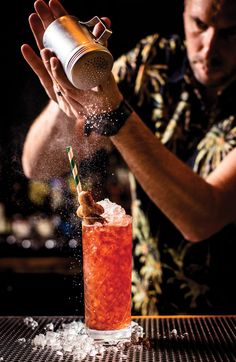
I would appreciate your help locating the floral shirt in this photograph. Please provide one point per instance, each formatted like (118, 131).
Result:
(170, 274)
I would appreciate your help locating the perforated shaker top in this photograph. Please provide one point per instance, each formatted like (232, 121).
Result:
(89, 67)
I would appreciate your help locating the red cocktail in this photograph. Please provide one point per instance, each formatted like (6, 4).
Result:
(107, 264)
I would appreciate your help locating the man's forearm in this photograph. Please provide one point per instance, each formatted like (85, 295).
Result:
(188, 201)
(44, 153)
(41, 158)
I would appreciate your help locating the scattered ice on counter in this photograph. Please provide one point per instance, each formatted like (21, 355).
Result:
(114, 213)
(21, 340)
(30, 322)
(59, 353)
(73, 339)
(137, 331)
(173, 334)
(49, 327)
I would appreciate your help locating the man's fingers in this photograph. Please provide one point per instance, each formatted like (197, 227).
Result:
(57, 8)
(62, 88)
(44, 12)
(59, 74)
(35, 62)
(60, 77)
(46, 54)
(37, 29)
(48, 61)
(99, 28)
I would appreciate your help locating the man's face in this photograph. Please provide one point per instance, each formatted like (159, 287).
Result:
(211, 40)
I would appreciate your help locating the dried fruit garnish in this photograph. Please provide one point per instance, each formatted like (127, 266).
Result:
(89, 210)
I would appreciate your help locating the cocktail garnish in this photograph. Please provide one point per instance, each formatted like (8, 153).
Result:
(89, 210)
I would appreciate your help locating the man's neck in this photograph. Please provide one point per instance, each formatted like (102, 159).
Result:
(211, 95)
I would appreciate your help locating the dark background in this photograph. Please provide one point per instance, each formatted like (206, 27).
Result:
(28, 285)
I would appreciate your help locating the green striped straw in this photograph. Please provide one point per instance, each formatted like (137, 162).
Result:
(74, 169)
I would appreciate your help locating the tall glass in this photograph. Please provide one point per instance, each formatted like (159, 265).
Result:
(107, 265)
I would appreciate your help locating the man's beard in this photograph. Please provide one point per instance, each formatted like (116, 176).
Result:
(214, 65)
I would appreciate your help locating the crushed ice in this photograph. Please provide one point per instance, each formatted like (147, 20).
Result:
(21, 340)
(30, 322)
(73, 339)
(114, 213)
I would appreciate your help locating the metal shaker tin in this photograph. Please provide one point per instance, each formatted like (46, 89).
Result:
(85, 60)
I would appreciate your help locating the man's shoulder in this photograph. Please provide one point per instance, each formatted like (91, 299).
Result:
(153, 49)
(157, 45)
(173, 41)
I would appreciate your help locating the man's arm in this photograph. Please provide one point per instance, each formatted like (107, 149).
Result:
(44, 152)
(61, 122)
(197, 207)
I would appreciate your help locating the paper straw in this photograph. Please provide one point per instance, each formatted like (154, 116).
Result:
(74, 169)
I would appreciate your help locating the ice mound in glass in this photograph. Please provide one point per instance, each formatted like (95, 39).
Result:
(114, 214)
(101, 212)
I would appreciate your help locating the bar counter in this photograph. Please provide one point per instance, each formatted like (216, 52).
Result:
(170, 338)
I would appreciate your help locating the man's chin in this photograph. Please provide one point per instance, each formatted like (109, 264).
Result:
(210, 80)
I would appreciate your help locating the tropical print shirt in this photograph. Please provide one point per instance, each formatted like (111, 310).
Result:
(170, 274)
